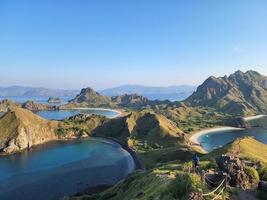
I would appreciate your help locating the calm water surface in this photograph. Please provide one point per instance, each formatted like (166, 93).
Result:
(217, 139)
(61, 168)
(62, 114)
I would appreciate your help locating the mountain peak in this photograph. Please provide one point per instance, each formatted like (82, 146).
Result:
(88, 97)
(240, 93)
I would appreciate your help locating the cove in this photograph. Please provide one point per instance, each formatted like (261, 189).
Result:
(62, 114)
(215, 139)
(59, 168)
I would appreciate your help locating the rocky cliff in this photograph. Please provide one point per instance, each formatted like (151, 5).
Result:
(21, 129)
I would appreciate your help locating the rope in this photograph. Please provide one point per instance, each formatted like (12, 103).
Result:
(210, 181)
(207, 194)
(219, 194)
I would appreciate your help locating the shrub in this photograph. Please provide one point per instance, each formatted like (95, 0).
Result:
(184, 184)
(60, 131)
(252, 172)
(263, 173)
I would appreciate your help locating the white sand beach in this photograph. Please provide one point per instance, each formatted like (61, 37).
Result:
(194, 137)
(254, 117)
(119, 113)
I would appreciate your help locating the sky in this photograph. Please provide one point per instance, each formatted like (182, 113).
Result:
(71, 44)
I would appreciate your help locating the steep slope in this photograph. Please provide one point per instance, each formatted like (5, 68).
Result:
(89, 98)
(21, 129)
(143, 130)
(240, 93)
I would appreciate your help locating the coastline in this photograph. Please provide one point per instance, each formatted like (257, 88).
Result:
(254, 117)
(195, 136)
(138, 164)
(119, 113)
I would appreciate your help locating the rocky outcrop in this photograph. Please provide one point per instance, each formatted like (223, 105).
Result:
(235, 169)
(21, 129)
(35, 106)
(6, 104)
(54, 100)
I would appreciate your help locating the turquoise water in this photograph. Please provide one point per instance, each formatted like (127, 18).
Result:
(62, 114)
(62, 168)
(216, 139)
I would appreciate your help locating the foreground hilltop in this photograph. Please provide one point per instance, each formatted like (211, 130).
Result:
(176, 180)
(240, 93)
(21, 129)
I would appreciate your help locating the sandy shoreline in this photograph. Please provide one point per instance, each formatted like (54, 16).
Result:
(195, 136)
(119, 113)
(254, 117)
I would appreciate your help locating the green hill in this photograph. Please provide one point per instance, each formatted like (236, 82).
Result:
(247, 148)
(144, 130)
(240, 93)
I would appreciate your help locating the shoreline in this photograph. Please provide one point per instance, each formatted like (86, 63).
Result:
(254, 117)
(195, 136)
(137, 162)
(119, 113)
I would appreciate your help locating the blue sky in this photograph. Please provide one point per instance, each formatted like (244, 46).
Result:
(105, 43)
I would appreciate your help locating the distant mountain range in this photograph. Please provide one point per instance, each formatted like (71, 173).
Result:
(33, 91)
(173, 93)
(160, 93)
(239, 94)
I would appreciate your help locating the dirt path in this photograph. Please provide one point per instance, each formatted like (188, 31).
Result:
(246, 195)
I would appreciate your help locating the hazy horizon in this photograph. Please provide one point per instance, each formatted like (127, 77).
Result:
(105, 44)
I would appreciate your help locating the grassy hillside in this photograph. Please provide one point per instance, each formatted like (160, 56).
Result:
(246, 148)
(80, 125)
(190, 119)
(142, 130)
(168, 182)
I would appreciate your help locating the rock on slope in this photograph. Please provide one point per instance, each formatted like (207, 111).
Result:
(21, 129)
(6, 104)
(240, 93)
